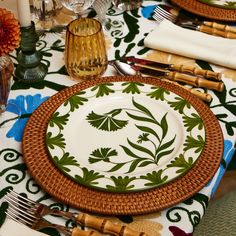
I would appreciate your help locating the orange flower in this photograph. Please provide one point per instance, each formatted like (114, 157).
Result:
(9, 32)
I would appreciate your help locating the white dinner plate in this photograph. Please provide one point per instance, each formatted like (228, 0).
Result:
(125, 136)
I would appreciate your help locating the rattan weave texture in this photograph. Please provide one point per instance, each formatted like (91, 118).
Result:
(64, 189)
(205, 10)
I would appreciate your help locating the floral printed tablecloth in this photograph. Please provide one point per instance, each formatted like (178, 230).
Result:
(125, 40)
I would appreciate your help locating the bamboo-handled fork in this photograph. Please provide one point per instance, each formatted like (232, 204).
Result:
(208, 27)
(40, 210)
(38, 223)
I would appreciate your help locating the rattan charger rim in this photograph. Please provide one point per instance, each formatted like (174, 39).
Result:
(205, 10)
(65, 190)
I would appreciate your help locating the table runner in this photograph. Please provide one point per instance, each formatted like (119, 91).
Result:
(124, 40)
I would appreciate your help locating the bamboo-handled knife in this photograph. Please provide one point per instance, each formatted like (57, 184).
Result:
(175, 76)
(180, 68)
(126, 69)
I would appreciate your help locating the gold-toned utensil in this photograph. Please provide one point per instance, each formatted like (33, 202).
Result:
(38, 223)
(39, 210)
(203, 96)
(208, 27)
(208, 74)
(85, 49)
(179, 77)
(126, 69)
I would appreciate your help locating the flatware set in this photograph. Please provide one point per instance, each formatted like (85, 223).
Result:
(208, 27)
(172, 73)
(172, 67)
(31, 213)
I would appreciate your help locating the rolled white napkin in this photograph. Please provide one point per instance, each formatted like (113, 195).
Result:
(12, 228)
(171, 38)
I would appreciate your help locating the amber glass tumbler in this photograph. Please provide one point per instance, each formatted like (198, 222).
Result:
(85, 49)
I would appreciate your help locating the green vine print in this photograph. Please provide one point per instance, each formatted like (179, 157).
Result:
(176, 214)
(107, 121)
(121, 183)
(155, 178)
(88, 177)
(158, 93)
(76, 101)
(58, 120)
(53, 141)
(132, 87)
(103, 89)
(160, 149)
(65, 160)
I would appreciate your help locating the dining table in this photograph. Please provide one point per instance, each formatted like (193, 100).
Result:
(22, 131)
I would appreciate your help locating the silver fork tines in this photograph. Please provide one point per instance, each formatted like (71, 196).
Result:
(19, 201)
(160, 14)
(30, 213)
(33, 222)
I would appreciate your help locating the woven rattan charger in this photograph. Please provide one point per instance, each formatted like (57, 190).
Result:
(205, 10)
(64, 189)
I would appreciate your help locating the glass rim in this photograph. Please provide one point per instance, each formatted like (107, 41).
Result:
(84, 18)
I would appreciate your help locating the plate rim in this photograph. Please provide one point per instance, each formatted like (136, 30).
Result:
(206, 10)
(217, 5)
(67, 191)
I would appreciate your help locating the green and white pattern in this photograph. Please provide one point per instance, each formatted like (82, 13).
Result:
(125, 136)
(221, 3)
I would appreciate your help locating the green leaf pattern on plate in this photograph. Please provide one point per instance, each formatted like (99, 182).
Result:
(88, 177)
(58, 120)
(141, 161)
(107, 121)
(221, 3)
(64, 161)
(76, 101)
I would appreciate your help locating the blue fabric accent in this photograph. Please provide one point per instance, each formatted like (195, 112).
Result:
(227, 156)
(21, 106)
(147, 11)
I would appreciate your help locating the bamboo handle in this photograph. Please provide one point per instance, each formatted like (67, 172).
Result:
(220, 26)
(80, 232)
(203, 96)
(106, 226)
(195, 71)
(213, 31)
(195, 81)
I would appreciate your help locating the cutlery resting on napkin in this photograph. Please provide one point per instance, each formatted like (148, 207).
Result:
(171, 38)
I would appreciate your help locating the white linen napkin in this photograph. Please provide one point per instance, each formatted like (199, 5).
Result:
(171, 38)
(12, 228)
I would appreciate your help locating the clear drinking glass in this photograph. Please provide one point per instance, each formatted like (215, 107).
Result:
(44, 11)
(77, 6)
(127, 4)
(101, 7)
(85, 49)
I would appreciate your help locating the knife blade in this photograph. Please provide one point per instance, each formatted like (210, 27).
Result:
(187, 79)
(180, 68)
